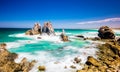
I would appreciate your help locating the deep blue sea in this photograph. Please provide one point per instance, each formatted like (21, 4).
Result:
(50, 51)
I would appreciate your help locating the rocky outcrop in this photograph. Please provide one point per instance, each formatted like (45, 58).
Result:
(48, 28)
(105, 32)
(64, 37)
(35, 30)
(92, 61)
(7, 63)
(108, 59)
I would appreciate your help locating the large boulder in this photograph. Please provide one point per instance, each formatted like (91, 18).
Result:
(64, 37)
(92, 61)
(105, 32)
(35, 30)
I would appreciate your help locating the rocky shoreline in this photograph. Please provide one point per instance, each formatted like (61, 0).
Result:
(7, 63)
(108, 59)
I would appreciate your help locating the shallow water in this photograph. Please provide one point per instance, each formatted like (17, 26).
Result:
(50, 50)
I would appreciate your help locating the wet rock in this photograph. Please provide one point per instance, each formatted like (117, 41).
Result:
(64, 37)
(80, 36)
(77, 60)
(105, 32)
(41, 68)
(73, 67)
(92, 61)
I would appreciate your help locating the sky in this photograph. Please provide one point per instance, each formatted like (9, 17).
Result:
(61, 13)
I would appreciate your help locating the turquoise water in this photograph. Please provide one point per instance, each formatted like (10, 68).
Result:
(20, 44)
(10, 35)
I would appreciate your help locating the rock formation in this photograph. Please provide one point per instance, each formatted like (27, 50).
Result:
(48, 28)
(35, 30)
(105, 32)
(7, 63)
(63, 36)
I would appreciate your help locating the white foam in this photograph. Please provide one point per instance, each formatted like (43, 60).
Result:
(56, 64)
(12, 45)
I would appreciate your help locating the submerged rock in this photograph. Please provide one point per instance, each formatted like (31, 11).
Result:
(105, 32)
(80, 36)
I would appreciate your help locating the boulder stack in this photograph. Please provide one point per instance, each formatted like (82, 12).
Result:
(35, 30)
(105, 32)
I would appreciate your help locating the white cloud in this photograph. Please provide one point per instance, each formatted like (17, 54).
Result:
(100, 21)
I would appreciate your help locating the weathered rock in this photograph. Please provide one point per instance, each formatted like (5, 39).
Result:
(41, 68)
(105, 32)
(92, 61)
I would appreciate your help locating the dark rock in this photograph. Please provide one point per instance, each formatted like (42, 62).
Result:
(47, 28)
(105, 32)
(80, 36)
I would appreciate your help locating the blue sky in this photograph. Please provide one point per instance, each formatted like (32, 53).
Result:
(62, 13)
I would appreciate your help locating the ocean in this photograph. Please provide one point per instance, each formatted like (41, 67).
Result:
(50, 51)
